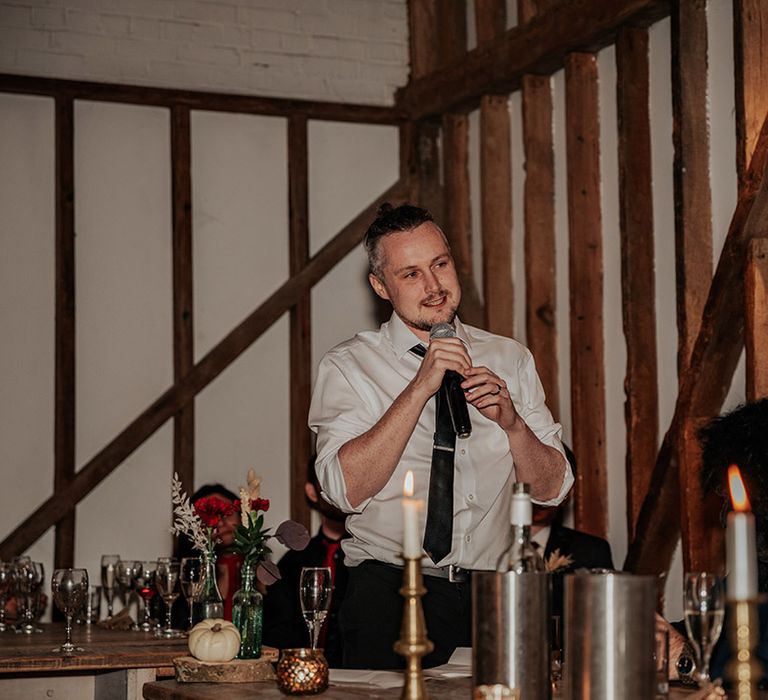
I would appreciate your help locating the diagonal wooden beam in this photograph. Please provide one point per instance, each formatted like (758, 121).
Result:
(705, 383)
(539, 46)
(203, 373)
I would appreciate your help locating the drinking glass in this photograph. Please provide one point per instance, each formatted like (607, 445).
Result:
(703, 603)
(315, 597)
(108, 576)
(145, 585)
(167, 582)
(7, 578)
(29, 579)
(69, 588)
(191, 576)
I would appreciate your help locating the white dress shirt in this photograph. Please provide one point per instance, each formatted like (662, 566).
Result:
(357, 382)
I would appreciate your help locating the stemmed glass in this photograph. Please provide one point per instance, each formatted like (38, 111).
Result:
(145, 585)
(315, 597)
(167, 582)
(703, 603)
(126, 571)
(108, 576)
(29, 579)
(7, 578)
(191, 576)
(69, 588)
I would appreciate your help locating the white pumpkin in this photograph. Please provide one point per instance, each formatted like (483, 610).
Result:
(214, 640)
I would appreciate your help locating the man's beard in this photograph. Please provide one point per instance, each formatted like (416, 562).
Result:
(424, 325)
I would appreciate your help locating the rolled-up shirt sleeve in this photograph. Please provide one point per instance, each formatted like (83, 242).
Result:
(337, 415)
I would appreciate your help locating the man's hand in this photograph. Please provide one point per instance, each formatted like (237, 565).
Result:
(488, 393)
(443, 354)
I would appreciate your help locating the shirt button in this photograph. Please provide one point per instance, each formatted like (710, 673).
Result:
(468, 538)
(471, 497)
(463, 451)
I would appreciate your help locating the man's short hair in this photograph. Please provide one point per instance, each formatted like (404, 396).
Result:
(388, 220)
(741, 438)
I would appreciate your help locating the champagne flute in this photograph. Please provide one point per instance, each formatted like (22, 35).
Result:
(703, 603)
(315, 597)
(29, 579)
(7, 577)
(126, 576)
(167, 582)
(191, 576)
(108, 573)
(145, 584)
(69, 588)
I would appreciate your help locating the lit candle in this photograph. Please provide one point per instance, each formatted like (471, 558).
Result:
(412, 508)
(740, 542)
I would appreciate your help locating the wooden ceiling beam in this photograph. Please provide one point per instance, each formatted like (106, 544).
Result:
(539, 46)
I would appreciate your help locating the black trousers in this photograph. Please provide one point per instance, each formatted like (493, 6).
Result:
(372, 612)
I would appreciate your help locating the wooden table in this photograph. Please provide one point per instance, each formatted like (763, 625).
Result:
(115, 664)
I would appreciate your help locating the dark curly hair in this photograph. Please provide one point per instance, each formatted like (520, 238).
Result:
(388, 220)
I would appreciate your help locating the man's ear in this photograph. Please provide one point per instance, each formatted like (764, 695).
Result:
(311, 492)
(378, 286)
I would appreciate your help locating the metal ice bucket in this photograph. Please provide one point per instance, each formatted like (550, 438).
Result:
(510, 621)
(609, 636)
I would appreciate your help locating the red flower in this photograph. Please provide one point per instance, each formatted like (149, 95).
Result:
(212, 509)
(261, 504)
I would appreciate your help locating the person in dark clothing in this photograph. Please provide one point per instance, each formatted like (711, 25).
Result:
(284, 626)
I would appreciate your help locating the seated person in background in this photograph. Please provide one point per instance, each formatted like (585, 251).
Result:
(284, 625)
(227, 563)
(564, 549)
(739, 437)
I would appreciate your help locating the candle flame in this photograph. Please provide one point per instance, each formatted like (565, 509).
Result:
(408, 484)
(739, 497)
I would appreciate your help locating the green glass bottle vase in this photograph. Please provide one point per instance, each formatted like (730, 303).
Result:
(247, 613)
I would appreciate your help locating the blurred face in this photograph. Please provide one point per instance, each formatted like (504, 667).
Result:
(418, 278)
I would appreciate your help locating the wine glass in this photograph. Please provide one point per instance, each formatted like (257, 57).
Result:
(69, 588)
(191, 576)
(167, 582)
(703, 603)
(29, 579)
(108, 574)
(126, 577)
(7, 577)
(145, 585)
(315, 597)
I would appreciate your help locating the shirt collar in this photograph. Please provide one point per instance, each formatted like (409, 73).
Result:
(403, 338)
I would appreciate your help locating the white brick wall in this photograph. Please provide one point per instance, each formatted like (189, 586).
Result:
(341, 50)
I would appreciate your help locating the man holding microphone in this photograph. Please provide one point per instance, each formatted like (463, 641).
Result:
(375, 418)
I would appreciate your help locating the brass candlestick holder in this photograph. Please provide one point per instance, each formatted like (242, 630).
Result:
(743, 670)
(413, 642)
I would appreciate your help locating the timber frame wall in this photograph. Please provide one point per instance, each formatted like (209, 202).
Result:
(714, 320)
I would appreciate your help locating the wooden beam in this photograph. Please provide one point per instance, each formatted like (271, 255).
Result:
(750, 50)
(183, 306)
(539, 46)
(300, 318)
(457, 222)
(490, 19)
(706, 382)
(422, 39)
(452, 34)
(195, 99)
(693, 201)
(221, 356)
(64, 370)
(638, 289)
(756, 335)
(703, 536)
(586, 292)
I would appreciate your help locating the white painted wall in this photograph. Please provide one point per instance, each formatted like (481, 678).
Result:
(240, 235)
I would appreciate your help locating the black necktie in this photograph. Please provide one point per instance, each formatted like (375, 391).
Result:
(438, 532)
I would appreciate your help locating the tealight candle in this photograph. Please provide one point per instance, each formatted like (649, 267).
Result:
(412, 508)
(740, 544)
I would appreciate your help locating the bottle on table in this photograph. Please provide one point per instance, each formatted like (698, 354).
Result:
(521, 556)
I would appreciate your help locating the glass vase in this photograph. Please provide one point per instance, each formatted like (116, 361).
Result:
(247, 613)
(208, 603)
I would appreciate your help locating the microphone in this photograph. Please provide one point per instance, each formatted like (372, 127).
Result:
(457, 402)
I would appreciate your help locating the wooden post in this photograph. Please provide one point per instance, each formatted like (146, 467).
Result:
(750, 51)
(539, 236)
(183, 307)
(300, 317)
(756, 328)
(64, 407)
(637, 266)
(586, 292)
